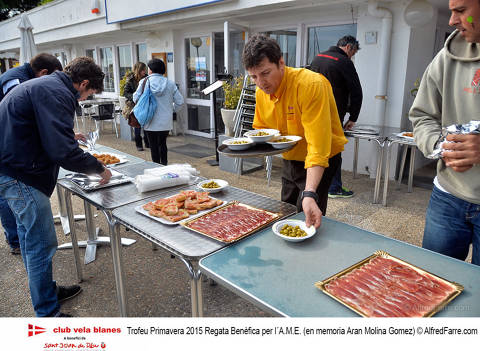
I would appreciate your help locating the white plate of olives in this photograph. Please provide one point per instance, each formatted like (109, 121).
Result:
(212, 185)
(293, 230)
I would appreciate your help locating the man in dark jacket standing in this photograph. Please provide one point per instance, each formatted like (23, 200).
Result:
(38, 66)
(336, 65)
(36, 139)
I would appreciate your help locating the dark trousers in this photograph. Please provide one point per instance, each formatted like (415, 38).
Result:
(138, 138)
(158, 145)
(294, 177)
(336, 185)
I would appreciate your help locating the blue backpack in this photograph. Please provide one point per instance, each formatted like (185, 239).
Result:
(146, 105)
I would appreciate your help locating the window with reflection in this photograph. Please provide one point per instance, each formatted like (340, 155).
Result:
(106, 63)
(124, 59)
(92, 53)
(321, 38)
(197, 53)
(287, 40)
(142, 53)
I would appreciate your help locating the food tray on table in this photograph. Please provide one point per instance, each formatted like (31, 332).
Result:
(231, 222)
(406, 136)
(109, 159)
(256, 150)
(183, 214)
(92, 182)
(385, 286)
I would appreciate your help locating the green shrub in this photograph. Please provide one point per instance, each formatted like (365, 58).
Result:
(124, 81)
(232, 90)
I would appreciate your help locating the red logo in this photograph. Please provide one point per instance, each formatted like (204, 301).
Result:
(476, 79)
(328, 56)
(35, 330)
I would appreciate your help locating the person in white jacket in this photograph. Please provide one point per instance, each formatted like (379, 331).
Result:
(169, 100)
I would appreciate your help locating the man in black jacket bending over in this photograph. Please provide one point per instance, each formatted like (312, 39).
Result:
(336, 65)
(36, 139)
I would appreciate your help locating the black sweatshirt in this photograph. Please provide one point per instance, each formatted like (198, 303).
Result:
(335, 65)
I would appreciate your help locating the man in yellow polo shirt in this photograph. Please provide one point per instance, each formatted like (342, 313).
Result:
(297, 101)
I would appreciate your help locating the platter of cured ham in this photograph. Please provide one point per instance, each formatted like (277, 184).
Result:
(231, 222)
(173, 209)
(385, 286)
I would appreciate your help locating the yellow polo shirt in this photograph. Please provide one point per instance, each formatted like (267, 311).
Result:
(303, 105)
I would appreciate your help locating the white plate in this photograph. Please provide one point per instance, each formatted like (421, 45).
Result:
(140, 209)
(400, 135)
(122, 159)
(264, 138)
(238, 147)
(294, 223)
(282, 145)
(223, 184)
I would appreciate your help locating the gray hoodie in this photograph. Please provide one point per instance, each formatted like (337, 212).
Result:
(168, 99)
(449, 93)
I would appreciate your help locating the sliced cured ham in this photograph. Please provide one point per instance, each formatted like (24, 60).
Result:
(385, 287)
(231, 222)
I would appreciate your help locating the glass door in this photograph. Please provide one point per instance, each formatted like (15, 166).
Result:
(198, 76)
(228, 59)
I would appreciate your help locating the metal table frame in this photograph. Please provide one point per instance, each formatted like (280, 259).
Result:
(380, 139)
(407, 144)
(99, 200)
(62, 215)
(380, 152)
(175, 239)
(248, 153)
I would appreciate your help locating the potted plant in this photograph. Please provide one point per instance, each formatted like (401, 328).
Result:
(124, 80)
(232, 91)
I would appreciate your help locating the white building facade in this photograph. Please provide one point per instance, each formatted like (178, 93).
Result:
(200, 38)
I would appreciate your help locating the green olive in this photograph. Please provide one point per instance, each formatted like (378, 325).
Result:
(281, 140)
(294, 232)
(260, 133)
(210, 185)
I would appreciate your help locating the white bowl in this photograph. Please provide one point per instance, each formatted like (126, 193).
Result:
(294, 223)
(264, 138)
(223, 184)
(238, 147)
(293, 139)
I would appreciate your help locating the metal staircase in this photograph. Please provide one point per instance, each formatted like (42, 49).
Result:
(245, 108)
(244, 120)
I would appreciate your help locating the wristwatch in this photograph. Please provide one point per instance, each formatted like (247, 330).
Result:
(311, 194)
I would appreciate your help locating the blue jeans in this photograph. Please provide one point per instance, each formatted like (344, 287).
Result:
(9, 224)
(38, 241)
(451, 226)
(336, 185)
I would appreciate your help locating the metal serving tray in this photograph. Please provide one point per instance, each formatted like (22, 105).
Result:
(187, 223)
(92, 182)
(144, 212)
(428, 313)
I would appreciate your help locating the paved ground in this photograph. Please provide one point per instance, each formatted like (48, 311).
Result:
(158, 285)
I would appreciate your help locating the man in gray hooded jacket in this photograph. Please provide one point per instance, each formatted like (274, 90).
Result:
(450, 93)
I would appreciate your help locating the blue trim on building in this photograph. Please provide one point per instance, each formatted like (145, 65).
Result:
(158, 13)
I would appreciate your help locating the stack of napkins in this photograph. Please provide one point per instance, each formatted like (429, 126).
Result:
(164, 177)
